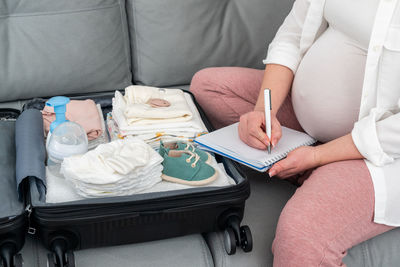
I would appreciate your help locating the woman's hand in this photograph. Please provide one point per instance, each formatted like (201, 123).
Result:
(297, 161)
(252, 130)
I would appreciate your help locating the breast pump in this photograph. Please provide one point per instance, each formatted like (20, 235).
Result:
(65, 138)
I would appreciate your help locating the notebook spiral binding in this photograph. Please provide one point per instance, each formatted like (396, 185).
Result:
(284, 155)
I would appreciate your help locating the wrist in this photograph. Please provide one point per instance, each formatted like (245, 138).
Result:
(317, 156)
(261, 109)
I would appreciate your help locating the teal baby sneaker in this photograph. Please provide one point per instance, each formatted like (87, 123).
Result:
(166, 147)
(185, 167)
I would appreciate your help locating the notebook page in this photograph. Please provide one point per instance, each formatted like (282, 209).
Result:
(227, 141)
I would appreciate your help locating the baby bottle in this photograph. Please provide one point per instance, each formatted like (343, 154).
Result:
(65, 138)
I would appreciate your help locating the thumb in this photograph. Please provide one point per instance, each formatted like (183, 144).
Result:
(277, 168)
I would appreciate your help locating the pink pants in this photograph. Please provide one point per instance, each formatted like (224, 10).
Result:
(331, 212)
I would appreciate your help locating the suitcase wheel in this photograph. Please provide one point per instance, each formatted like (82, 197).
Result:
(230, 241)
(66, 260)
(247, 238)
(236, 235)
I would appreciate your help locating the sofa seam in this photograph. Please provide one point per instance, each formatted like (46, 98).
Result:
(135, 42)
(364, 253)
(126, 40)
(53, 13)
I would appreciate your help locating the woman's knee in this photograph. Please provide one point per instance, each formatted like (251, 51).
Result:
(228, 81)
(199, 79)
(220, 94)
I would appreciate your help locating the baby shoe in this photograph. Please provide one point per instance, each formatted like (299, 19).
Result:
(165, 148)
(185, 167)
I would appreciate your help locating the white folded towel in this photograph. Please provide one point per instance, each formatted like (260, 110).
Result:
(137, 111)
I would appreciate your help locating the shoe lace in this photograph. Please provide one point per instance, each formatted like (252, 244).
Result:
(195, 156)
(191, 146)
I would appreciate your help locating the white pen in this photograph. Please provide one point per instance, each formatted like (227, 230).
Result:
(268, 108)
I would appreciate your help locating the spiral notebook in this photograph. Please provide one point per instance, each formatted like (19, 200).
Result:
(227, 143)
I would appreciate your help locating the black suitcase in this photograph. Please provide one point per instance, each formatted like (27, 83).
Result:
(91, 223)
(12, 210)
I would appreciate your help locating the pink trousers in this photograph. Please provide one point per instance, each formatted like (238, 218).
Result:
(331, 212)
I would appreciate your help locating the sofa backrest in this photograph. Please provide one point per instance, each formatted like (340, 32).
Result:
(65, 47)
(52, 47)
(172, 39)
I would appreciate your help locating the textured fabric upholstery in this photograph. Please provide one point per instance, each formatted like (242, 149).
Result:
(63, 47)
(172, 39)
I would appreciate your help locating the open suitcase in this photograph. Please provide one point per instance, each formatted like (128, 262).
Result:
(69, 226)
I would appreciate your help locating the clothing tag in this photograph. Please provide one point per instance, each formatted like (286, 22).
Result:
(158, 103)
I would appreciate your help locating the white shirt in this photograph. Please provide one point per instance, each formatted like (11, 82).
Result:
(376, 134)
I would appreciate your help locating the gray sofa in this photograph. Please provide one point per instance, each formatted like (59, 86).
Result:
(52, 47)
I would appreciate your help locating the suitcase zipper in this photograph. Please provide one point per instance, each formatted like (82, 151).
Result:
(31, 230)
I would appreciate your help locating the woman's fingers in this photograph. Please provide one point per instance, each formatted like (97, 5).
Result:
(250, 130)
(282, 168)
(276, 131)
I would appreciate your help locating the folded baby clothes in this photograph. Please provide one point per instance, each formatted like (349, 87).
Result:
(83, 112)
(122, 167)
(190, 127)
(139, 105)
(153, 138)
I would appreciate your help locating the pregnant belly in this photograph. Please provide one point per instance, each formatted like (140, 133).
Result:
(327, 87)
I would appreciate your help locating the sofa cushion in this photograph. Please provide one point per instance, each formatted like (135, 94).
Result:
(62, 47)
(182, 251)
(172, 39)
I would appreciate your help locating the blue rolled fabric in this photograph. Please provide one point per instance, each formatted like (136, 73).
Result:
(30, 150)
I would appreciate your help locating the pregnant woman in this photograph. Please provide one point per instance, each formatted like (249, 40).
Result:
(334, 72)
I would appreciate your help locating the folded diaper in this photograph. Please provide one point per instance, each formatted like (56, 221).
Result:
(138, 110)
(83, 112)
(60, 190)
(122, 167)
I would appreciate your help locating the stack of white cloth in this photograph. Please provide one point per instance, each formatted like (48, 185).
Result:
(134, 116)
(60, 190)
(122, 167)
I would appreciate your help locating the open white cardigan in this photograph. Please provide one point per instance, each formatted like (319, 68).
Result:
(376, 134)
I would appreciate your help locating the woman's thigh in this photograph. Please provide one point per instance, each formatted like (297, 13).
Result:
(226, 93)
(331, 212)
